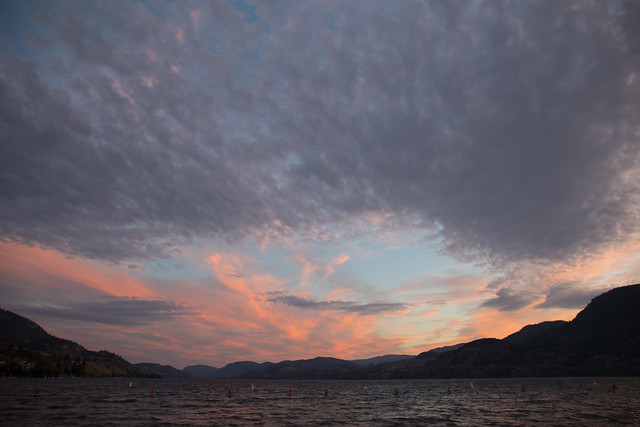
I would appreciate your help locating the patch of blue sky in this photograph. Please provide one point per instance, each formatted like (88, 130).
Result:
(275, 95)
(249, 12)
(14, 22)
(214, 49)
(277, 261)
(23, 36)
(328, 23)
(393, 267)
(29, 40)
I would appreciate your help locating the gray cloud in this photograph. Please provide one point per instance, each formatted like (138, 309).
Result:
(114, 311)
(336, 305)
(569, 295)
(507, 129)
(509, 300)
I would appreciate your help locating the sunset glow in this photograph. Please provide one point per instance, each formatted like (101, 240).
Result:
(210, 182)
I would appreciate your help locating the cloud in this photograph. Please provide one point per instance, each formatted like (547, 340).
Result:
(506, 131)
(336, 305)
(509, 300)
(569, 295)
(123, 311)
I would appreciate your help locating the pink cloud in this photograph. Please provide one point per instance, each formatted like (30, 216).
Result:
(196, 19)
(180, 34)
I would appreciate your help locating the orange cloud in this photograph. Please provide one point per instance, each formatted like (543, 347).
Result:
(53, 270)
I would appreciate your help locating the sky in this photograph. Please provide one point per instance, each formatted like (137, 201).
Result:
(191, 182)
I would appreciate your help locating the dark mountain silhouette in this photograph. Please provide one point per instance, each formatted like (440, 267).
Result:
(603, 340)
(201, 371)
(313, 369)
(232, 370)
(373, 361)
(164, 371)
(238, 369)
(28, 350)
(435, 352)
(527, 333)
(268, 369)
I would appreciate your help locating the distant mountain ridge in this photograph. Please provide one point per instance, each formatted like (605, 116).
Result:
(288, 368)
(602, 340)
(164, 371)
(201, 371)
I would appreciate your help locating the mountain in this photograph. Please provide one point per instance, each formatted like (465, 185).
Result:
(28, 350)
(529, 332)
(603, 340)
(435, 352)
(320, 368)
(163, 371)
(201, 371)
(373, 361)
(239, 369)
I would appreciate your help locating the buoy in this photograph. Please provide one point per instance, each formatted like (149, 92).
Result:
(613, 387)
(326, 392)
(152, 393)
(523, 389)
(37, 394)
(289, 392)
(449, 390)
(396, 392)
(229, 394)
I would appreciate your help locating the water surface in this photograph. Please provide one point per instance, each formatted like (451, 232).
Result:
(123, 401)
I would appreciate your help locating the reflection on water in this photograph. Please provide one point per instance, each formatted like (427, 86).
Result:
(559, 401)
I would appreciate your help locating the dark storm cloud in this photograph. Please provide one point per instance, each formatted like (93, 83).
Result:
(115, 311)
(336, 305)
(507, 129)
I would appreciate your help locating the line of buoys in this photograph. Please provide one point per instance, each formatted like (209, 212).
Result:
(37, 393)
(152, 393)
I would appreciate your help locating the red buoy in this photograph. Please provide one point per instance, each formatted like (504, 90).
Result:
(229, 394)
(37, 392)
(523, 388)
(449, 390)
(290, 393)
(326, 392)
(613, 387)
(152, 393)
(396, 392)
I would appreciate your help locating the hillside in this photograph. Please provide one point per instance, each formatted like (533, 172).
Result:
(200, 371)
(163, 371)
(28, 350)
(319, 368)
(603, 339)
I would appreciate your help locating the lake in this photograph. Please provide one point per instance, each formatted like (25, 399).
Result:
(124, 401)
